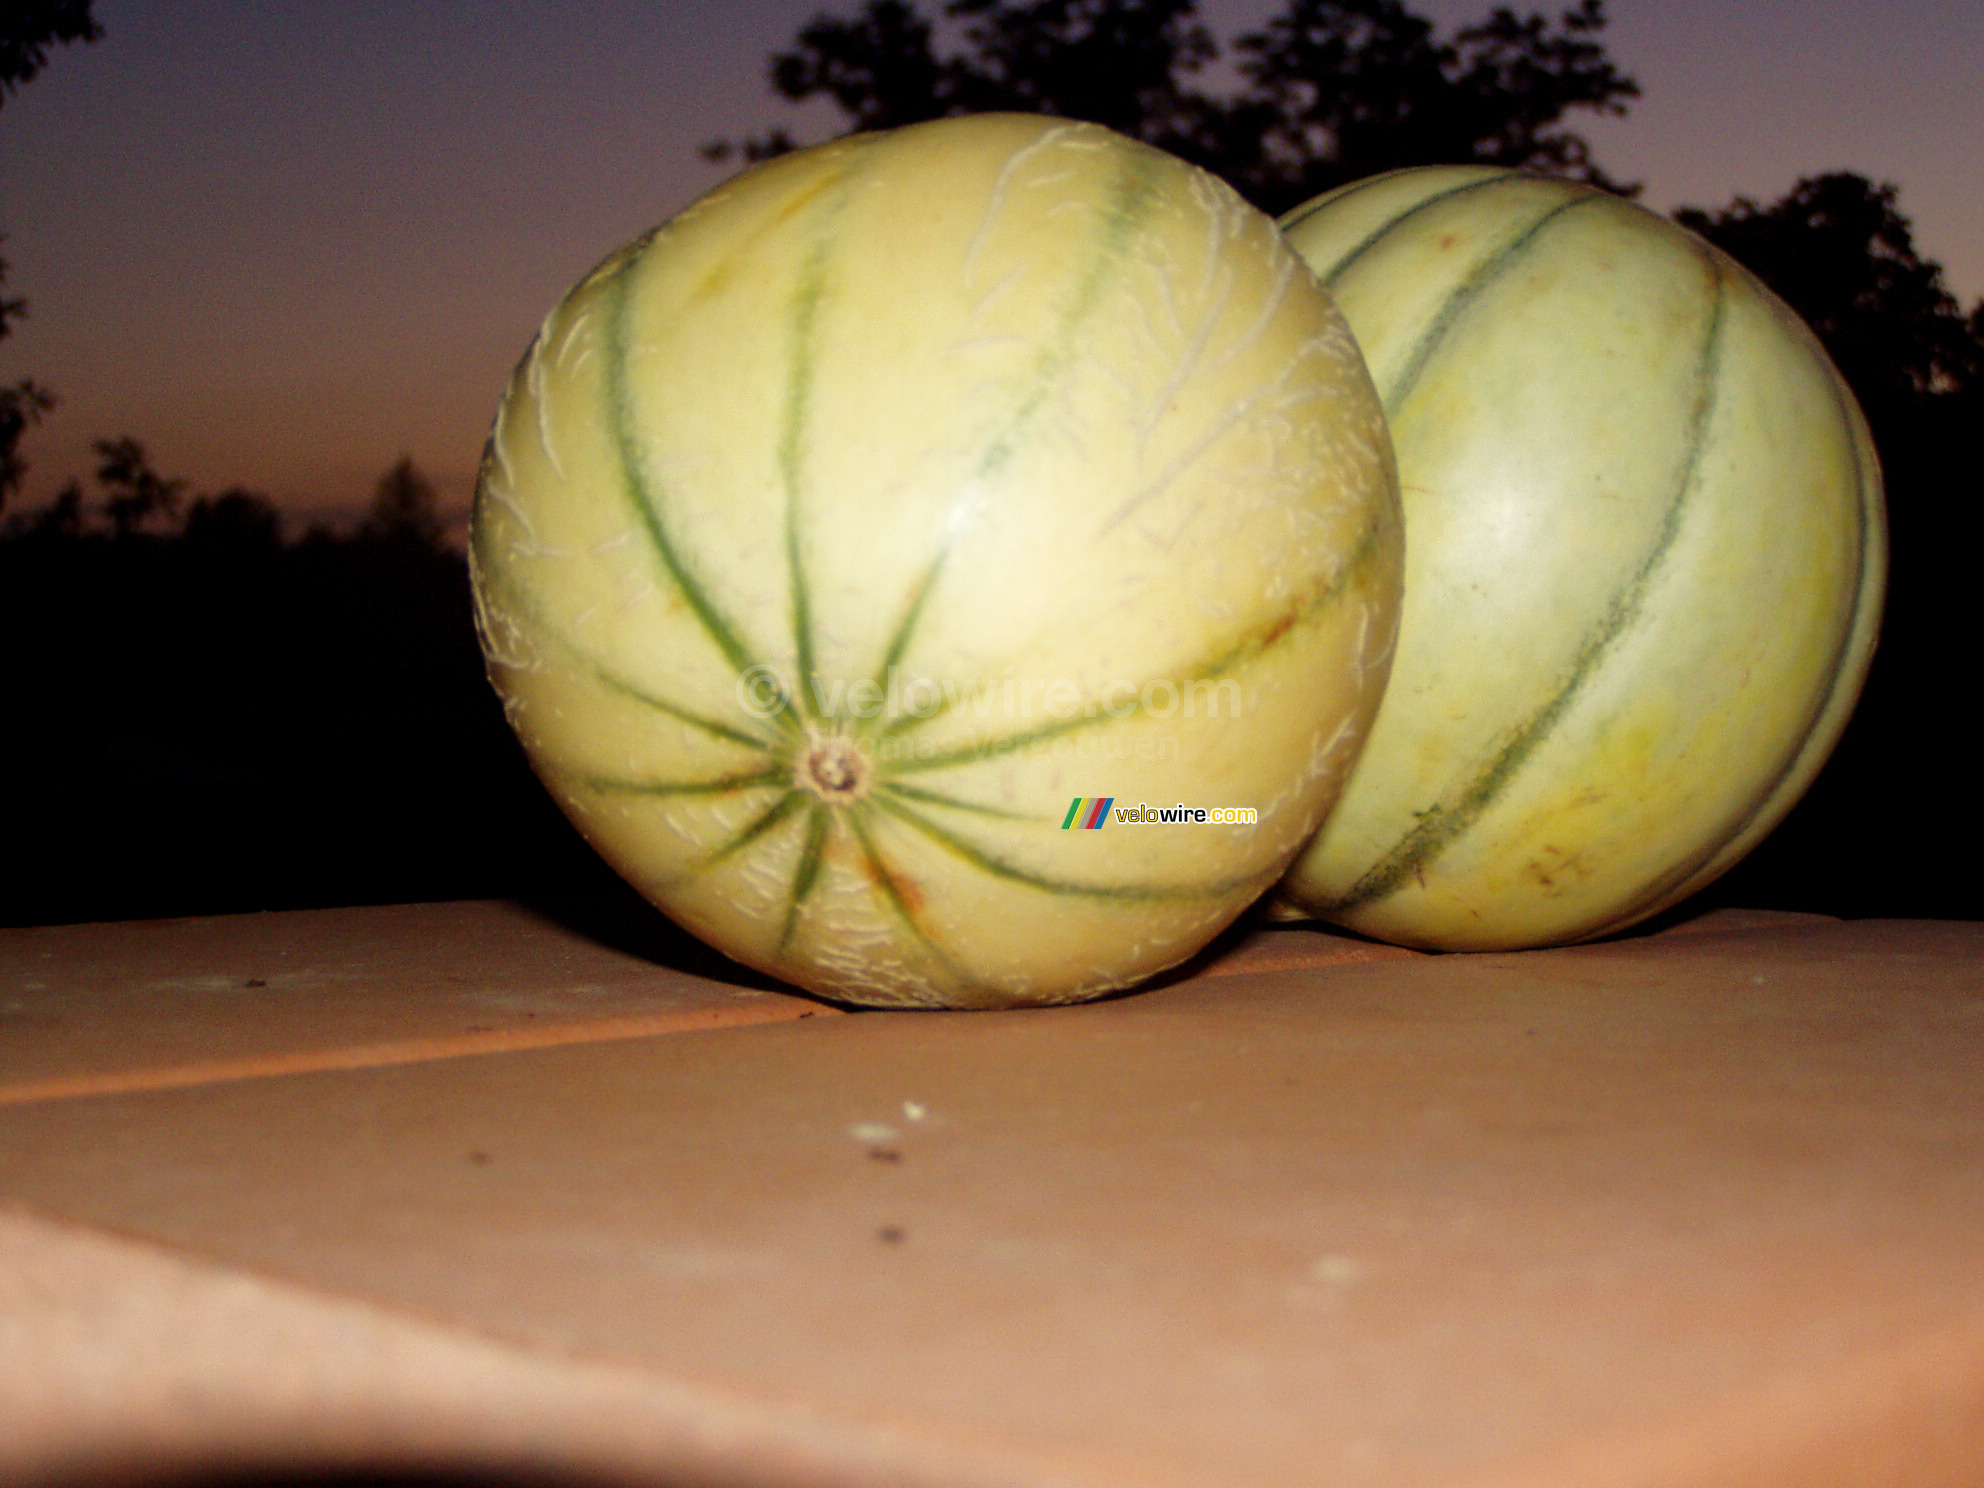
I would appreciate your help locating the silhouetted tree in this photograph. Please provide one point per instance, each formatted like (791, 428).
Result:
(135, 495)
(21, 404)
(404, 509)
(234, 518)
(10, 310)
(62, 519)
(1342, 89)
(21, 408)
(1332, 89)
(881, 70)
(1838, 250)
(1122, 63)
(28, 28)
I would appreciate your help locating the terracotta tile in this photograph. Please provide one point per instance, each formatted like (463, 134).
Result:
(128, 1363)
(1682, 1214)
(86, 1009)
(1253, 946)
(1779, 941)
(1728, 921)
(1267, 945)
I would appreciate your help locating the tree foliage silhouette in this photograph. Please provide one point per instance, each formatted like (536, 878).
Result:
(135, 501)
(1838, 250)
(22, 404)
(21, 408)
(136, 496)
(28, 28)
(405, 510)
(234, 518)
(1330, 90)
(1342, 89)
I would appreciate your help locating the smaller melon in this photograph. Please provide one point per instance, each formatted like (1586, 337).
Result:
(1645, 557)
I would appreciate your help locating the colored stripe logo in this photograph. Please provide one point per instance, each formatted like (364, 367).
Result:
(1088, 813)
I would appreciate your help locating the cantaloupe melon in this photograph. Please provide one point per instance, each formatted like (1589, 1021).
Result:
(1646, 553)
(834, 537)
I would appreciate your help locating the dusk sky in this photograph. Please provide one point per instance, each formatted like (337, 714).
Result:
(284, 243)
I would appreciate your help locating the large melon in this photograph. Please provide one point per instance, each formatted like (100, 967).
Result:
(833, 538)
(1645, 557)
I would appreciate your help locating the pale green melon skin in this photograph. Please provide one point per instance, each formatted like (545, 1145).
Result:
(987, 399)
(1646, 554)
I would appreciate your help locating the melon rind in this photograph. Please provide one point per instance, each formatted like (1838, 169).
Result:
(1646, 554)
(993, 401)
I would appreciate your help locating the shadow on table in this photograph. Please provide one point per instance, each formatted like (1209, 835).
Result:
(606, 910)
(248, 1475)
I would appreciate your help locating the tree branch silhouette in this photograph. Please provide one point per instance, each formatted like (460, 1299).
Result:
(1838, 250)
(1331, 90)
(28, 28)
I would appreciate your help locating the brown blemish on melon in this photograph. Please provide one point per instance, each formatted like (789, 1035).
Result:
(1279, 629)
(904, 889)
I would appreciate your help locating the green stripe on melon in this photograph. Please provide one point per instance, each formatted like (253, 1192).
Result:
(978, 402)
(1645, 554)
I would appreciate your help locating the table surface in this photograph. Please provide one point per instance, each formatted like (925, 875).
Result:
(461, 1186)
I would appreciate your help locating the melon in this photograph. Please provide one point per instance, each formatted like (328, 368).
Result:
(1646, 551)
(834, 539)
